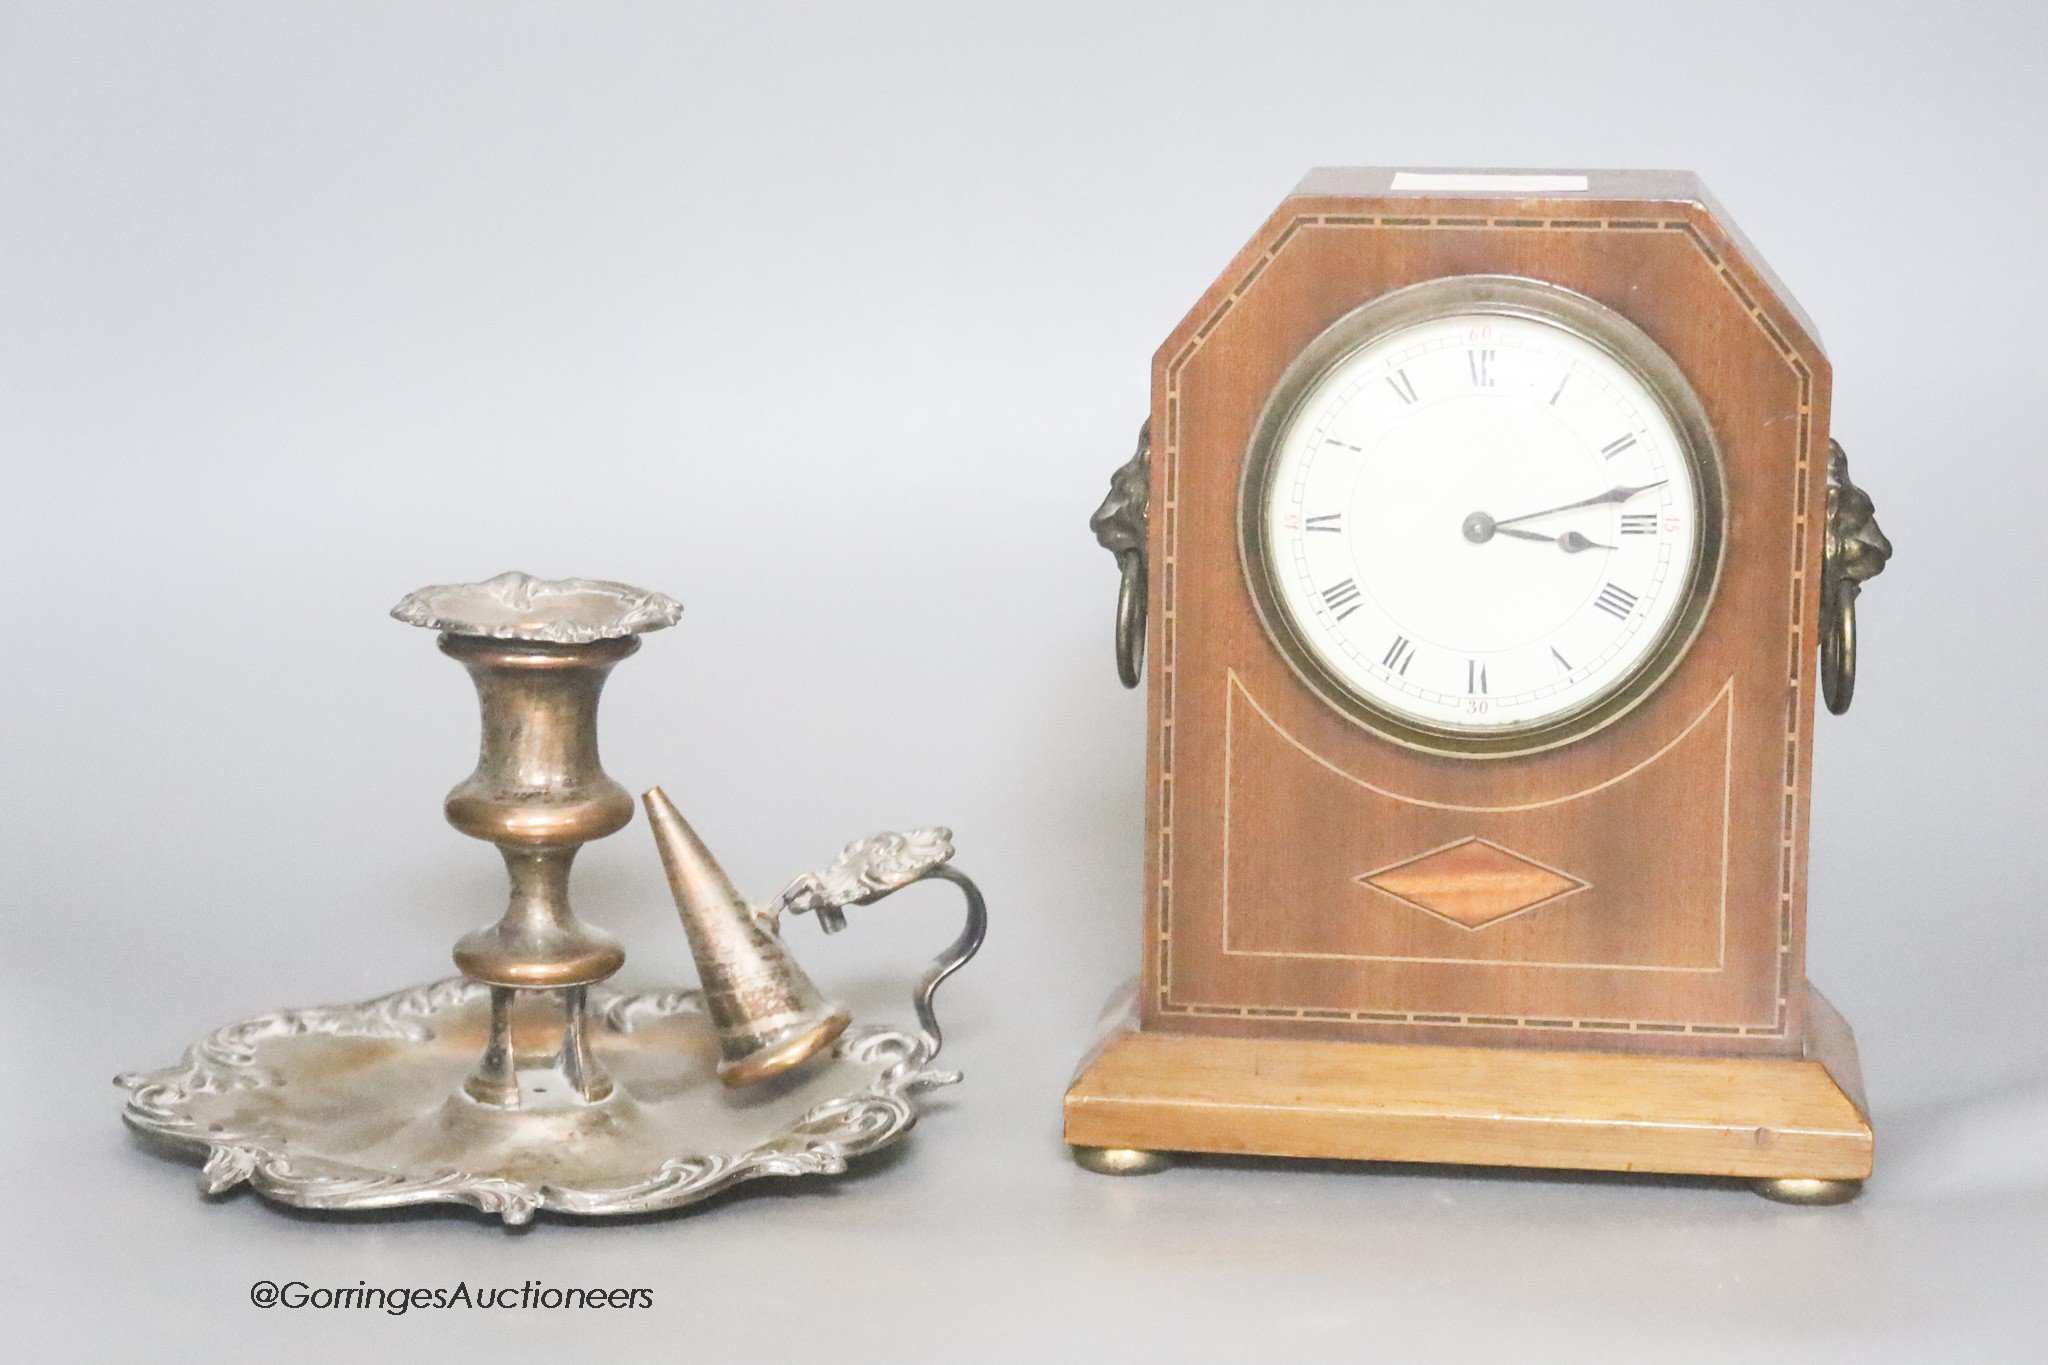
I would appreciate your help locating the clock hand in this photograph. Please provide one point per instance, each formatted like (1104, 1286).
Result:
(1571, 542)
(1620, 493)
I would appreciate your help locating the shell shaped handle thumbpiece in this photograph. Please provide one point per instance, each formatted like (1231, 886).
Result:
(866, 871)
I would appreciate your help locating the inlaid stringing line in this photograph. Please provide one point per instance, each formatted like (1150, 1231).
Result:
(1788, 834)
(1170, 538)
(1723, 701)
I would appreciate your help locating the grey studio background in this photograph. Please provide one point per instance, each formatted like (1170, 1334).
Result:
(832, 321)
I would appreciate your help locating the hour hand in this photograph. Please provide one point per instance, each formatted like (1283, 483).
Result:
(1571, 542)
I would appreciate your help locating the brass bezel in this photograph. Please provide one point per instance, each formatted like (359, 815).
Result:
(1504, 296)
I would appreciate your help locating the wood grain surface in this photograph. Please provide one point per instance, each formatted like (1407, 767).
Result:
(1672, 843)
(1753, 1117)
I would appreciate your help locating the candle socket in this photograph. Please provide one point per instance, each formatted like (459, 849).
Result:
(539, 794)
(539, 653)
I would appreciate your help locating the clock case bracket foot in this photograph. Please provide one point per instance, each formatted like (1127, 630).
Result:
(1793, 1125)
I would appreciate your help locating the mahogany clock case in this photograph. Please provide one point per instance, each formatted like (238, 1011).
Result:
(1642, 888)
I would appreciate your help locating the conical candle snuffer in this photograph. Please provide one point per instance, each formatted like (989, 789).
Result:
(769, 1016)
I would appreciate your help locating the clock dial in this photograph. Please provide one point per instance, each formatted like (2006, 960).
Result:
(1479, 523)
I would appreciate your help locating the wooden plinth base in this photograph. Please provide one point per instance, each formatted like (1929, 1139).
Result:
(1799, 1118)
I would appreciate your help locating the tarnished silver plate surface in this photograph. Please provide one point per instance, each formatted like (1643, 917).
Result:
(361, 1107)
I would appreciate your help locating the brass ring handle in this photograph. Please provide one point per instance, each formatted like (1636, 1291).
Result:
(1130, 618)
(1855, 551)
(1838, 653)
(1120, 526)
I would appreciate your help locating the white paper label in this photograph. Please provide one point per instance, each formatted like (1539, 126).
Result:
(1507, 184)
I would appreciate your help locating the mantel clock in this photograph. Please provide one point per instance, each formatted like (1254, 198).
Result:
(1488, 549)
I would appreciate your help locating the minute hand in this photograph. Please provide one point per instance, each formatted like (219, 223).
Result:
(1620, 493)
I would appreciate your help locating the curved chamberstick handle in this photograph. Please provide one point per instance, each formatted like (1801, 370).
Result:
(956, 954)
(868, 870)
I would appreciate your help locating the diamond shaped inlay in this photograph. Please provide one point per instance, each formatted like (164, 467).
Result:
(1472, 883)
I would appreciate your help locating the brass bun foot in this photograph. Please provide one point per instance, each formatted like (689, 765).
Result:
(1120, 1160)
(1796, 1191)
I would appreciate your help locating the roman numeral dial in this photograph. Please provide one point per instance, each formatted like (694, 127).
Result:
(1475, 522)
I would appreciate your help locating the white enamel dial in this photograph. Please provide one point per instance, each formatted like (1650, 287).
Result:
(1480, 522)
